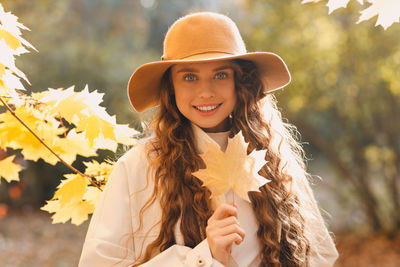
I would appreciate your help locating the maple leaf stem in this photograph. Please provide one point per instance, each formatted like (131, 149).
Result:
(43, 143)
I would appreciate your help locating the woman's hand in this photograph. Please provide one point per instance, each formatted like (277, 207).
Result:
(222, 230)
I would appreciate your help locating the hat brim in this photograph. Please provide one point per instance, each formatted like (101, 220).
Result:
(144, 84)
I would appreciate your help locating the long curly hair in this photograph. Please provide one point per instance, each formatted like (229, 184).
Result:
(277, 207)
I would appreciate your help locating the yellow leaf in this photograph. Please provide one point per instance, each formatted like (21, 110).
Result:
(95, 126)
(72, 145)
(63, 102)
(11, 44)
(8, 59)
(10, 39)
(71, 189)
(92, 195)
(232, 169)
(9, 22)
(77, 211)
(388, 12)
(124, 134)
(11, 81)
(84, 111)
(335, 4)
(14, 135)
(2, 70)
(81, 211)
(51, 206)
(62, 215)
(12, 132)
(99, 170)
(9, 170)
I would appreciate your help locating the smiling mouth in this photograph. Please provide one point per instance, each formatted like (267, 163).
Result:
(207, 108)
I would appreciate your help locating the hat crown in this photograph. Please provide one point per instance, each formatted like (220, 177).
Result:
(202, 33)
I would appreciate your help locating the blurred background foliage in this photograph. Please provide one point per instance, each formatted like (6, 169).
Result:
(344, 96)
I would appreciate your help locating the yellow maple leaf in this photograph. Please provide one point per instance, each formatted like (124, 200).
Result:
(92, 195)
(75, 199)
(9, 170)
(388, 12)
(70, 146)
(71, 189)
(11, 45)
(14, 135)
(10, 39)
(9, 23)
(2, 70)
(232, 169)
(10, 81)
(101, 171)
(51, 206)
(77, 211)
(80, 212)
(84, 111)
(63, 102)
(7, 59)
(124, 134)
(94, 125)
(336, 4)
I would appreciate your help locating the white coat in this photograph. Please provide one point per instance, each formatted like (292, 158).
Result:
(112, 241)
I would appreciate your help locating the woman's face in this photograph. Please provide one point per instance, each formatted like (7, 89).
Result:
(205, 93)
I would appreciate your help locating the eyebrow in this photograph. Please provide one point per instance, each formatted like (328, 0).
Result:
(195, 70)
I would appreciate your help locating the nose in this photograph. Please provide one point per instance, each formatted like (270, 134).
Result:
(206, 90)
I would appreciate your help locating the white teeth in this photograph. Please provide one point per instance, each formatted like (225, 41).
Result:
(206, 108)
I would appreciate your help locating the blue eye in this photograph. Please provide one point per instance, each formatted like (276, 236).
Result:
(221, 75)
(190, 77)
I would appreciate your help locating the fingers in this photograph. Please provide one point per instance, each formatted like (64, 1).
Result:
(227, 231)
(233, 228)
(213, 223)
(224, 211)
(222, 231)
(225, 227)
(225, 242)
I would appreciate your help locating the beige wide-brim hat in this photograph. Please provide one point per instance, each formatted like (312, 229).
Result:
(200, 37)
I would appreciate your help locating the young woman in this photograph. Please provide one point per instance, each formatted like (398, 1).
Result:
(155, 211)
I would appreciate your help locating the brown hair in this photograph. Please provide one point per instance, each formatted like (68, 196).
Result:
(277, 207)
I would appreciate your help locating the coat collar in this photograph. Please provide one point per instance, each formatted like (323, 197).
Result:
(201, 138)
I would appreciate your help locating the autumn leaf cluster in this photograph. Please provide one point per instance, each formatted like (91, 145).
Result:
(69, 122)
